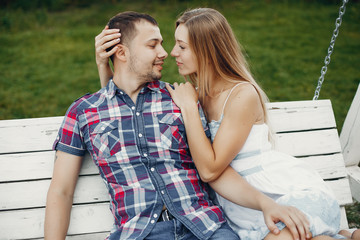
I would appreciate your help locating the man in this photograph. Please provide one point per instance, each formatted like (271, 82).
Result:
(135, 135)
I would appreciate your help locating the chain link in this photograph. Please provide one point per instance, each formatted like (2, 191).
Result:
(330, 49)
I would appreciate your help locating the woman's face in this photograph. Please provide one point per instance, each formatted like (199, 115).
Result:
(184, 56)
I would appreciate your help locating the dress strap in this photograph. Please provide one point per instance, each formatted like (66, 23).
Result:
(227, 98)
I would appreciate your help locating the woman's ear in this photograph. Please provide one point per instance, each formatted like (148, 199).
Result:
(121, 52)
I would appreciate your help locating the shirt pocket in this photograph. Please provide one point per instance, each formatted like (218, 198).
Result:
(105, 139)
(172, 131)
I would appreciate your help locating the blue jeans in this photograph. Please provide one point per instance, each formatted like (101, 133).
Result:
(174, 229)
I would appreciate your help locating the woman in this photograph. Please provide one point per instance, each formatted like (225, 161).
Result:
(208, 54)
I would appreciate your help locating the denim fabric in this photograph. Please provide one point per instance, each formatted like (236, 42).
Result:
(171, 230)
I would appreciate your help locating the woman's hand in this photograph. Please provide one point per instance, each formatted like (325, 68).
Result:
(293, 218)
(183, 94)
(107, 38)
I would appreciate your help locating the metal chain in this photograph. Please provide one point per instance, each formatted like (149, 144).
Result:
(330, 49)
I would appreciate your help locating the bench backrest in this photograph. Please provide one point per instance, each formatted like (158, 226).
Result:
(305, 129)
(350, 143)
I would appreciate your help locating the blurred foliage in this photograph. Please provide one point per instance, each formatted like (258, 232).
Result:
(353, 215)
(47, 48)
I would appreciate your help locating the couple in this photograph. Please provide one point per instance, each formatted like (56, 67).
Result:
(140, 131)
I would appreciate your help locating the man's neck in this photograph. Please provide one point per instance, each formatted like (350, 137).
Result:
(129, 84)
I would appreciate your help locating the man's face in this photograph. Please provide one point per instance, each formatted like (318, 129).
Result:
(146, 52)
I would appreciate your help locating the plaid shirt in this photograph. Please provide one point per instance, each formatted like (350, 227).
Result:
(142, 154)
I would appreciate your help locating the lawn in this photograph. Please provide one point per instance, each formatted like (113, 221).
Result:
(47, 56)
(47, 52)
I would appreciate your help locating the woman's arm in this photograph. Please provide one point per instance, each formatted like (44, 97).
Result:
(107, 38)
(242, 193)
(212, 160)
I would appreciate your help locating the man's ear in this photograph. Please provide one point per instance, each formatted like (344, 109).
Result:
(121, 53)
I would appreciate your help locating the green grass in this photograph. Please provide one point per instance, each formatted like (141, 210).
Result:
(47, 57)
(47, 54)
(353, 215)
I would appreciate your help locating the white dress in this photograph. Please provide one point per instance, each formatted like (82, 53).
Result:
(287, 180)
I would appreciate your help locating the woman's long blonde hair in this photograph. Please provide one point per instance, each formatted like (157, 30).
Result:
(218, 53)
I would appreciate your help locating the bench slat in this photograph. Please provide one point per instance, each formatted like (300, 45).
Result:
(341, 190)
(34, 193)
(91, 236)
(350, 133)
(329, 166)
(94, 236)
(309, 143)
(90, 218)
(301, 115)
(27, 135)
(36, 165)
(300, 104)
(31, 166)
(41, 132)
(84, 219)
(354, 176)
(344, 222)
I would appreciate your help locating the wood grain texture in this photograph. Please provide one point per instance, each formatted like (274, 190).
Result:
(304, 129)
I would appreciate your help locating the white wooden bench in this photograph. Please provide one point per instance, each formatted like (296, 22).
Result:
(350, 143)
(305, 129)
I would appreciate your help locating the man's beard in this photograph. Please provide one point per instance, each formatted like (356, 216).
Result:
(150, 77)
(146, 77)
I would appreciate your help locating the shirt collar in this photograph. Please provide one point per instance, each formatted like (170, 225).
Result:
(154, 86)
(112, 89)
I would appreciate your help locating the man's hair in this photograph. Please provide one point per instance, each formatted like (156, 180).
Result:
(126, 22)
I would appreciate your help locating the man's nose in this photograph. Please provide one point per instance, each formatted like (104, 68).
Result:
(163, 54)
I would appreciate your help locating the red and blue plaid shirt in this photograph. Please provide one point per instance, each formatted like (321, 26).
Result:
(142, 154)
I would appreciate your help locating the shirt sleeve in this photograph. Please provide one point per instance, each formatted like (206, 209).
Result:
(69, 138)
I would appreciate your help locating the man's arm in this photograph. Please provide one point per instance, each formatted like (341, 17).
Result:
(60, 195)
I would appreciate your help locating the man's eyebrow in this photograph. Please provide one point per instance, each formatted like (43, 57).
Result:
(155, 40)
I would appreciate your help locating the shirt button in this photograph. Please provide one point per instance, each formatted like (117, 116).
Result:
(102, 128)
(152, 221)
(137, 114)
(133, 108)
(140, 135)
(155, 215)
(145, 155)
(121, 93)
(152, 169)
(162, 192)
